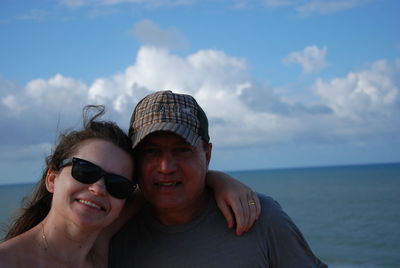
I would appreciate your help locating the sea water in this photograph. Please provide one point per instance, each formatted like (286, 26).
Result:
(350, 215)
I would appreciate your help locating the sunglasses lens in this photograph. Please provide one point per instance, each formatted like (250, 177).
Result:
(88, 173)
(118, 186)
(85, 172)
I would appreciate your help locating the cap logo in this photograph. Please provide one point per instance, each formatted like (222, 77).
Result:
(167, 108)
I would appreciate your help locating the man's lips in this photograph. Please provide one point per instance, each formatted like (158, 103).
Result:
(91, 204)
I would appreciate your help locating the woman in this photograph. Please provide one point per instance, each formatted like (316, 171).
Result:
(83, 189)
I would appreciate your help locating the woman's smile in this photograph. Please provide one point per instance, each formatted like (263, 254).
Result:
(91, 204)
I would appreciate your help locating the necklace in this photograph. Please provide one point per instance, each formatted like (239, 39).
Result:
(46, 245)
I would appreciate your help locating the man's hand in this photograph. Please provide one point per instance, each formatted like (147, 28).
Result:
(237, 202)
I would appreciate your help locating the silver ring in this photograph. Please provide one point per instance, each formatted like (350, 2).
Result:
(251, 202)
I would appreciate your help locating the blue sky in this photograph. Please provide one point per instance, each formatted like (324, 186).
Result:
(285, 83)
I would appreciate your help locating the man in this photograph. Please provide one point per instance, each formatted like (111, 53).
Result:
(181, 225)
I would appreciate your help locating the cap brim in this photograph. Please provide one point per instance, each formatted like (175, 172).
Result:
(190, 136)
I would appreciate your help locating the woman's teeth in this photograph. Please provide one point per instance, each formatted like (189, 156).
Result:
(90, 204)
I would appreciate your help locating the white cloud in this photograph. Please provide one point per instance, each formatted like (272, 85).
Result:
(240, 4)
(312, 7)
(323, 7)
(75, 3)
(371, 94)
(151, 2)
(302, 7)
(241, 111)
(37, 112)
(155, 69)
(10, 105)
(13, 104)
(219, 82)
(149, 33)
(34, 14)
(278, 3)
(312, 59)
(56, 91)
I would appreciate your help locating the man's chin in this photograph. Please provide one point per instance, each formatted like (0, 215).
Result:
(167, 205)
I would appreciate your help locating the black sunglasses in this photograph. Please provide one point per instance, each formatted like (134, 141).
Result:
(88, 173)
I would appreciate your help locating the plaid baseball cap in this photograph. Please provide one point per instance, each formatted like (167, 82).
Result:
(168, 111)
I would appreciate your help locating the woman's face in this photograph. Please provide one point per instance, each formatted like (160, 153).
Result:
(90, 205)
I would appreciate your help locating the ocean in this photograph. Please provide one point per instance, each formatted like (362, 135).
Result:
(350, 215)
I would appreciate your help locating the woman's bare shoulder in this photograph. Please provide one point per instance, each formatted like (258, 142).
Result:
(19, 251)
(11, 253)
(8, 257)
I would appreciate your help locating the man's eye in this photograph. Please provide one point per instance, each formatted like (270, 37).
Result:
(183, 150)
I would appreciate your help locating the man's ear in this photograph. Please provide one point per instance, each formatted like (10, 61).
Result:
(50, 180)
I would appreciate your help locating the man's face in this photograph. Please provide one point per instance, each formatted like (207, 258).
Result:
(172, 172)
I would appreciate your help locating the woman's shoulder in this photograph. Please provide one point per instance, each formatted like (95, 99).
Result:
(19, 251)
(8, 254)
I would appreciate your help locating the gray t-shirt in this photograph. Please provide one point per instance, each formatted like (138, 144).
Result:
(273, 241)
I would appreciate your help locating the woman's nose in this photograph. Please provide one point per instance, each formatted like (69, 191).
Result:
(98, 188)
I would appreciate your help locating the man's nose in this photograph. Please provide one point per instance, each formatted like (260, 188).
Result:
(167, 163)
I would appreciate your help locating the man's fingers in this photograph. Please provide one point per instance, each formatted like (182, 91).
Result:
(241, 215)
(237, 211)
(254, 209)
(227, 212)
